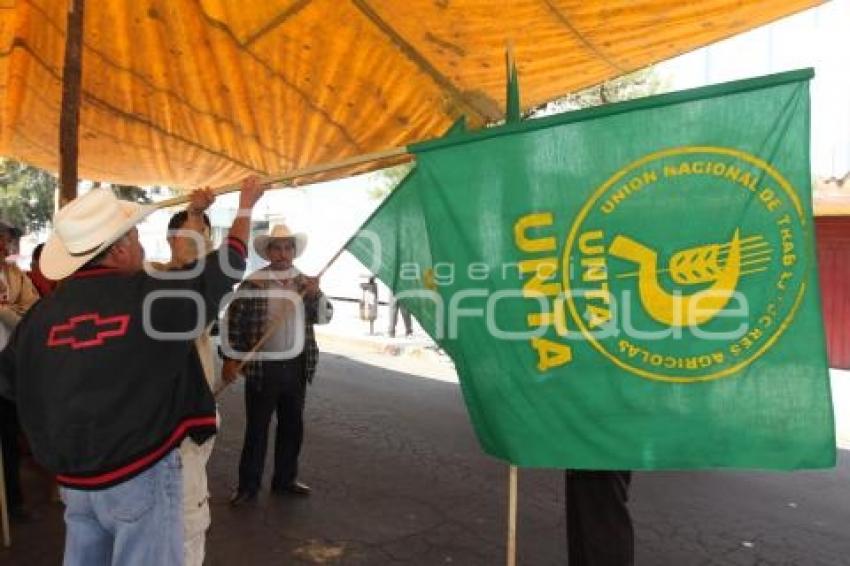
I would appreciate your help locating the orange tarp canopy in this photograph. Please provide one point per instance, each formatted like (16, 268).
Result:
(192, 92)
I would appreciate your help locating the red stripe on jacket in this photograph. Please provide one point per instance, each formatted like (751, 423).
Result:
(143, 462)
(238, 245)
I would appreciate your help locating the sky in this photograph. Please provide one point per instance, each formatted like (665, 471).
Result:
(818, 38)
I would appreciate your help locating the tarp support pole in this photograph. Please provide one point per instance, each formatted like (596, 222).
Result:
(271, 329)
(512, 513)
(306, 171)
(4, 503)
(69, 119)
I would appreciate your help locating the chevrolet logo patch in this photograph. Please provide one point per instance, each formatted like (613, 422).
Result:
(88, 330)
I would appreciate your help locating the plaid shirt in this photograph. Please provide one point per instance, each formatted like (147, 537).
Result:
(248, 319)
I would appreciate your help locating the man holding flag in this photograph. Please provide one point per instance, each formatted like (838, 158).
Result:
(269, 330)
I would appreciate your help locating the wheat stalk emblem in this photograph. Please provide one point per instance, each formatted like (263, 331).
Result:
(704, 264)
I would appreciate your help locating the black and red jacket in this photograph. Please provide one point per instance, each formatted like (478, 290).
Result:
(101, 397)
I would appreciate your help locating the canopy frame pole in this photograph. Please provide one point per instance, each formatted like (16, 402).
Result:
(303, 172)
(4, 503)
(512, 516)
(69, 118)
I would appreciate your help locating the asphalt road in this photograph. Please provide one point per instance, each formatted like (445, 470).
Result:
(398, 478)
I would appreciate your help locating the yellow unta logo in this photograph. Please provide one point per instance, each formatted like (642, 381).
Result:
(719, 264)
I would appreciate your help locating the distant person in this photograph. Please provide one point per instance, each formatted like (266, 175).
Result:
(395, 308)
(275, 386)
(44, 285)
(17, 295)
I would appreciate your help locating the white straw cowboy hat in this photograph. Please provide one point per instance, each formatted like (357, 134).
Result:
(85, 227)
(279, 232)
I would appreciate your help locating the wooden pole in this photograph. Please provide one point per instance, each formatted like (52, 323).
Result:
(69, 119)
(4, 503)
(269, 332)
(512, 115)
(263, 339)
(512, 512)
(311, 170)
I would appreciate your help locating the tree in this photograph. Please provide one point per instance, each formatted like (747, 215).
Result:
(26, 195)
(132, 193)
(388, 179)
(638, 84)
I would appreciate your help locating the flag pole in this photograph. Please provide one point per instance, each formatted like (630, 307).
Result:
(263, 339)
(304, 171)
(512, 514)
(513, 114)
(271, 329)
(309, 170)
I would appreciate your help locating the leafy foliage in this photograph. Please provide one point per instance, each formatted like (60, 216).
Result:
(132, 193)
(26, 195)
(638, 84)
(388, 179)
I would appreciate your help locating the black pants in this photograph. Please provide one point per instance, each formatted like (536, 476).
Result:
(9, 431)
(599, 527)
(283, 390)
(405, 316)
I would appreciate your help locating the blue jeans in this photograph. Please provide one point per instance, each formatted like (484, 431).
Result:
(135, 523)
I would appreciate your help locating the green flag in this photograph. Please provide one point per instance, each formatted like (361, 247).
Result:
(625, 287)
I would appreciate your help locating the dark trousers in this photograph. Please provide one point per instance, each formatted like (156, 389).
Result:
(405, 317)
(9, 431)
(283, 390)
(599, 527)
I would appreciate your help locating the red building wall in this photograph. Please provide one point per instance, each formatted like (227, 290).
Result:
(833, 246)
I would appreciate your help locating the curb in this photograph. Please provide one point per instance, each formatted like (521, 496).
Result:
(365, 344)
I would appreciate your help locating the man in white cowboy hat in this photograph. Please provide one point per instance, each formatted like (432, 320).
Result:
(17, 295)
(277, 305)
(108, 381)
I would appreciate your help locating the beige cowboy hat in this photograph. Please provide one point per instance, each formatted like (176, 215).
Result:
(85, 227)
(279, 232)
